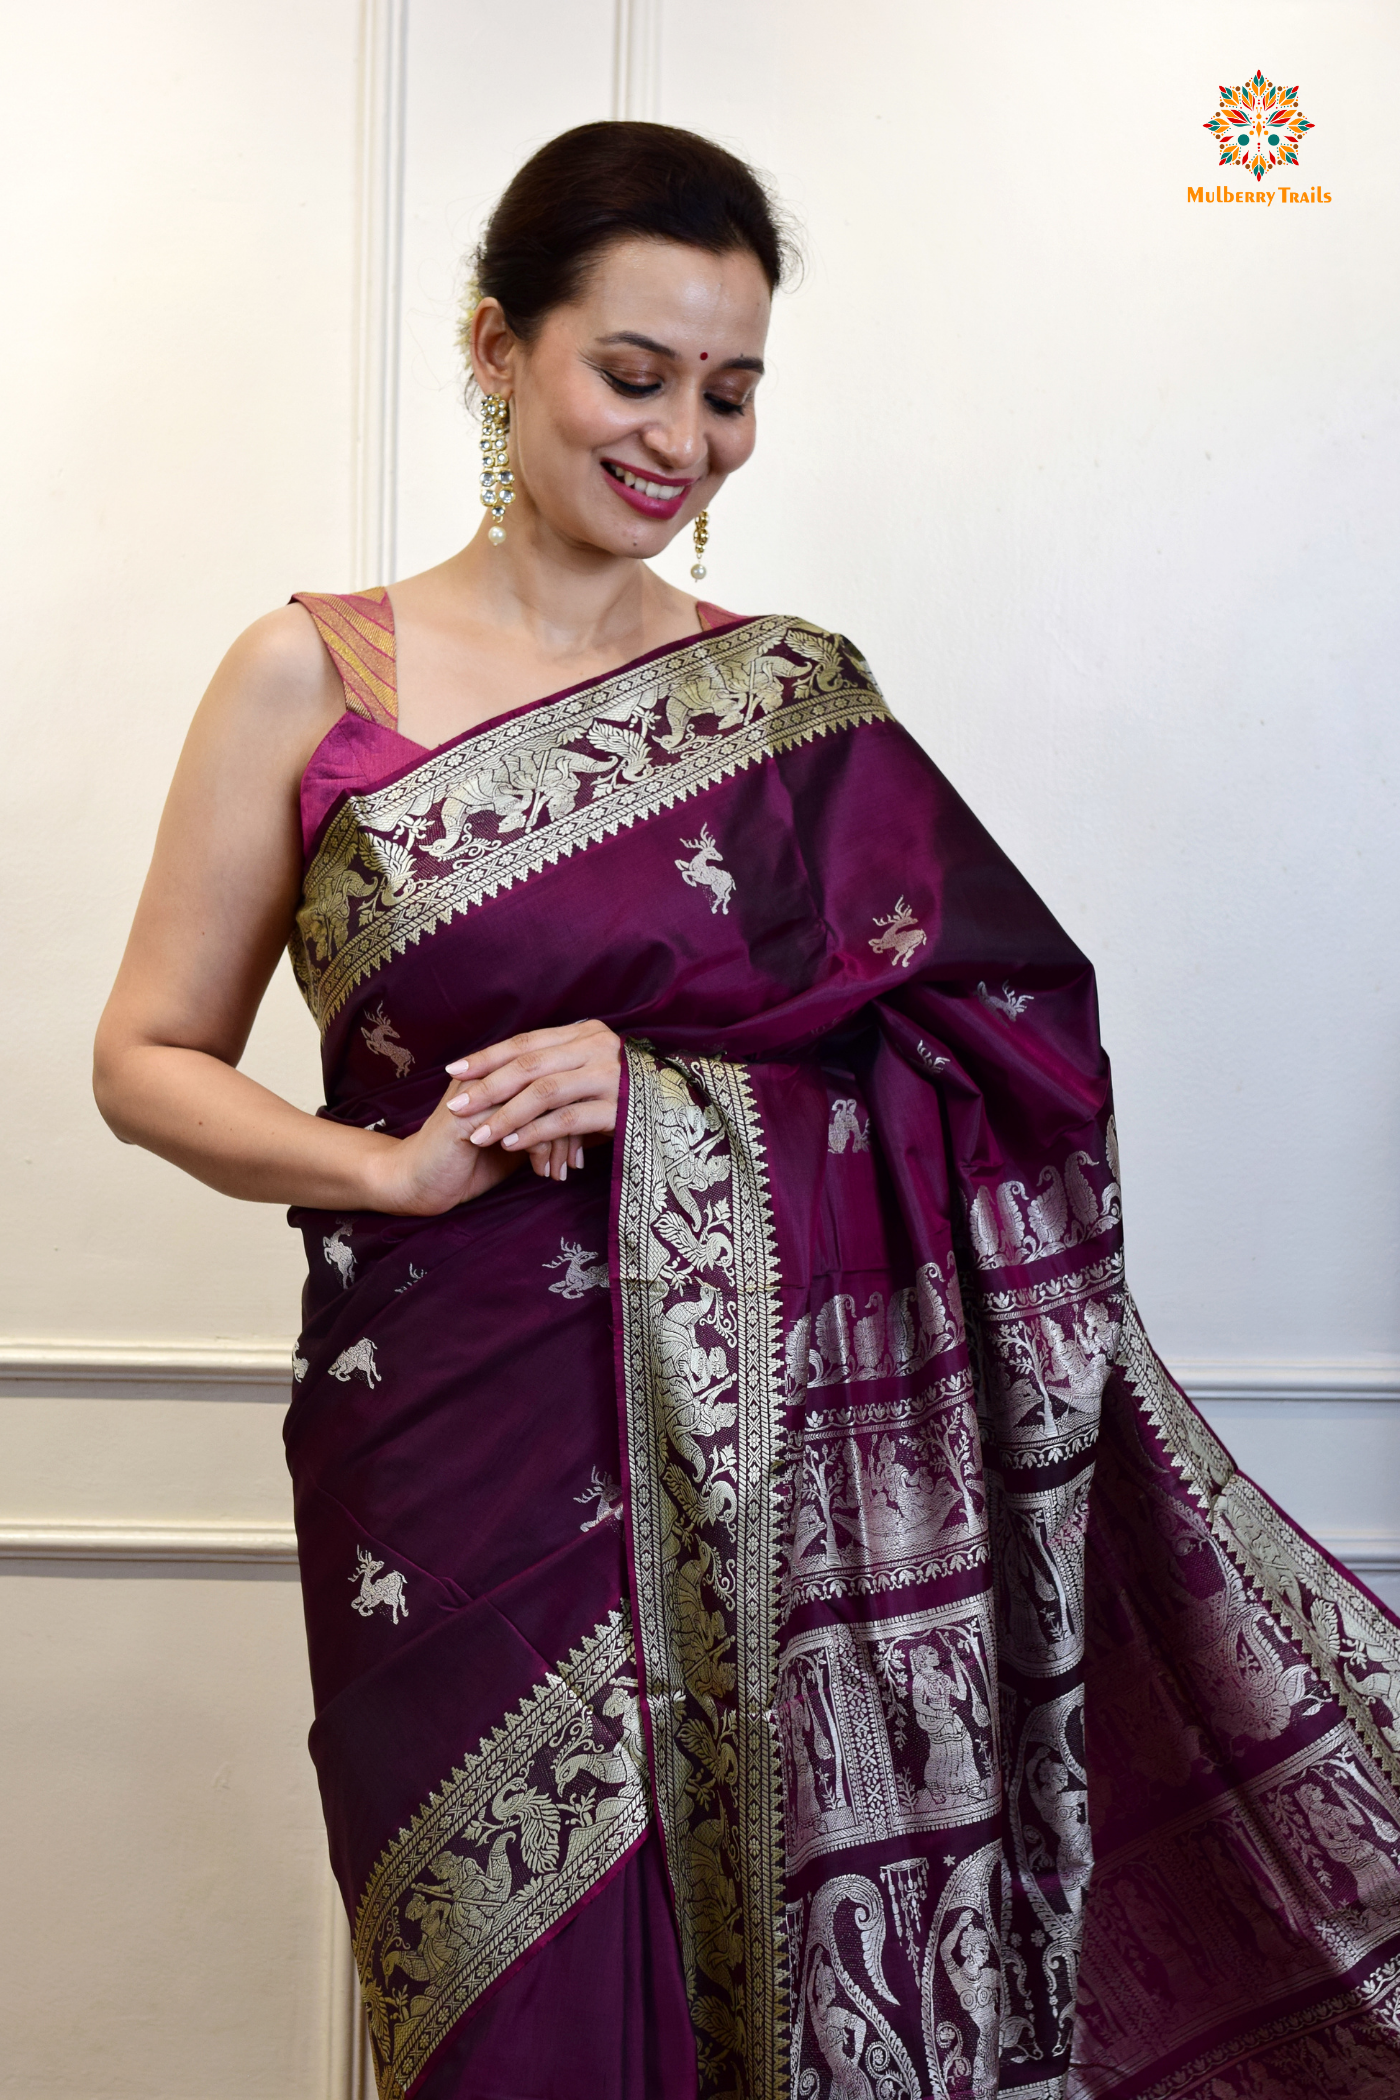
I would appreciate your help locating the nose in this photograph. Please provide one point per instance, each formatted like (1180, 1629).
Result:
(678, 440)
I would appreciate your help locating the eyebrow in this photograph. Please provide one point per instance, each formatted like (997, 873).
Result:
(645, 342)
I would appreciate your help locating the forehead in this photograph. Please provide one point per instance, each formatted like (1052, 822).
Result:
(650, 287)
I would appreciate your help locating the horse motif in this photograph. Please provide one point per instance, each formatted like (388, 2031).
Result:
(902, 938)
(578, 1277)
(383, 1039)
(377, 1589)
(706, 872)
(359, 1357)
(339, 1253)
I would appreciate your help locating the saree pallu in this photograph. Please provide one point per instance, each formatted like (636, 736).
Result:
(783, 1532)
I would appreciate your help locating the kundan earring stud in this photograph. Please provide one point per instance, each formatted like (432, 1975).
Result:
(497, 481)
(702, 536)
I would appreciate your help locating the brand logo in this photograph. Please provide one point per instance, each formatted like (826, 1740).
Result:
(1258, 126)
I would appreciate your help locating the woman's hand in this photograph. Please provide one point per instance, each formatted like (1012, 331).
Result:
(435, 1168)
(542, 1093)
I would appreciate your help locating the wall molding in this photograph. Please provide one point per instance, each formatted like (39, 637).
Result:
(82, 1365)
(1295, 1378)
(637, 60)
(274, 1545)
(265, 1367)
(378, 288)
(192, 1544)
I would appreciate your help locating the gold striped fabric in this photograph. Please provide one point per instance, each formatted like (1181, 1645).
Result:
(358, 629)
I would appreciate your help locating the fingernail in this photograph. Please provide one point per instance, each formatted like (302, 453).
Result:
(482, 1136)
(508, 1142)
(459, 1069)
(578, 1157)
(460, 1106)
(564, 1171)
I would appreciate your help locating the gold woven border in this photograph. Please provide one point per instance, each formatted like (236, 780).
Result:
(702, 1336)
(500, 806)
(1370, 2008)
(549, 1802)
(1349, 1641)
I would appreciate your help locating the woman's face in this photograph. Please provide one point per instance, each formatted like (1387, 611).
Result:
(635, 402)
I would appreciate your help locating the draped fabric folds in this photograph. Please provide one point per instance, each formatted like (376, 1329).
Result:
(780, 1542)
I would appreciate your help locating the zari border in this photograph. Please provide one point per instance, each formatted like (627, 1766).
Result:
(598, 765)
(510, 1794)
(1349, 1640)
(701, 1339)
(1375, 1997)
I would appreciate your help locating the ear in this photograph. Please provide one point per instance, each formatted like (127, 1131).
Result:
(493, 347)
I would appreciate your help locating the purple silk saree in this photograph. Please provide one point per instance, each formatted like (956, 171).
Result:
(749, 1584)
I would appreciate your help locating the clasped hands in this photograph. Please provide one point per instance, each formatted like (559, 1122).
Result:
(541, 1095)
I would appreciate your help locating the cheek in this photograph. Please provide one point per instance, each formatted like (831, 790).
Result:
(732, 444)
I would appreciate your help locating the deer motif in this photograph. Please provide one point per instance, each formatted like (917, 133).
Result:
(578, 1277)
(706, 872)
(383, 1039)
(339, 1253)
(358, 1357)
(603, 1490)
(1012, 1004)
(300, 1367)
(902, 938)
(846, 1128)
(387, 1589)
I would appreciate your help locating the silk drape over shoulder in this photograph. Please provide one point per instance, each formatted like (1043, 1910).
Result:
(776, 1627)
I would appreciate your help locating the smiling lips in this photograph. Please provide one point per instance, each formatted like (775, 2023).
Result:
(654, 495)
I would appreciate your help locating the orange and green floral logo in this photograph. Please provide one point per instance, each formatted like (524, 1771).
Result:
(1258, 126)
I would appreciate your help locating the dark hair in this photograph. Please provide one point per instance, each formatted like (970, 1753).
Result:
(603, 183)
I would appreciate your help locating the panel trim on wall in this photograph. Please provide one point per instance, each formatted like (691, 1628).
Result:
(378, 285)
(80, 1365)
(1355, 1378)
(198, 1365)
(637, 60)
(225, 1545)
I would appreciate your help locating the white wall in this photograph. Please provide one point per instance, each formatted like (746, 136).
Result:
(1104, 483)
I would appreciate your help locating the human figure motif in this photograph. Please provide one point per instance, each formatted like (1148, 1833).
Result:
(967, 1959)
(1339, 1825)
(835, 2027)
(1063, 1807)
(950, 1772)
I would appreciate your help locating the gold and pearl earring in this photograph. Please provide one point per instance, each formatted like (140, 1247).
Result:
(702, 536)
(497, 481)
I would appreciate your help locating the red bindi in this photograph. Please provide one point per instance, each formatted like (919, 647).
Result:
(703, 355)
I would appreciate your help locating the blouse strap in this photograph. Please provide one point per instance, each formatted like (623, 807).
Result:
(357, 628)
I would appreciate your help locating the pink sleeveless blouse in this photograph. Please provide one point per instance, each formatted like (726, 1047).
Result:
(365, 747)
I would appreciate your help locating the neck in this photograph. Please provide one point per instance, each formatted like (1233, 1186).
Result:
(567, 599)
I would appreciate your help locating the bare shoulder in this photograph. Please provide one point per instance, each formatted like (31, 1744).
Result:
(270, 702)
(278, 676)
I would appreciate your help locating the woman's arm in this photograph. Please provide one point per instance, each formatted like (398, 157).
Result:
(213, 919)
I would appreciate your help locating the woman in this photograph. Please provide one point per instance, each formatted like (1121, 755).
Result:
(646, 1499)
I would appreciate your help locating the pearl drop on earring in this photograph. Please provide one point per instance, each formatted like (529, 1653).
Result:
(702, 534)
(497, 481)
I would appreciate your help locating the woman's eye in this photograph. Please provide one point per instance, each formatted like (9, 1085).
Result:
(630, 388)
(723, 407)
